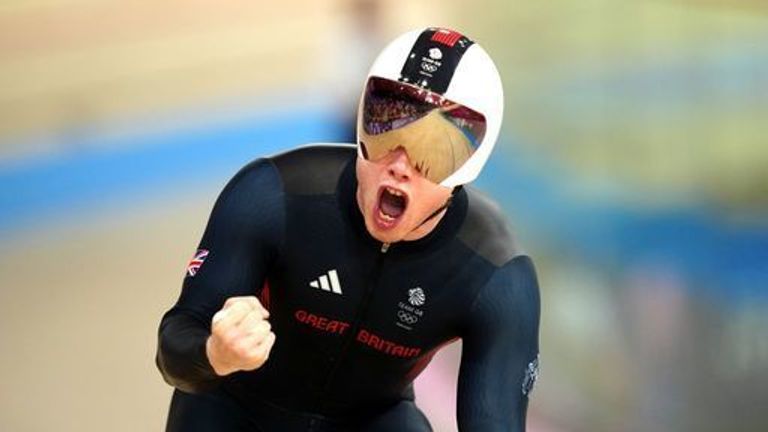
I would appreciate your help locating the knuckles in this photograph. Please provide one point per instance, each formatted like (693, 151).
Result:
(229, 336)
(243, 348)
(264, 327)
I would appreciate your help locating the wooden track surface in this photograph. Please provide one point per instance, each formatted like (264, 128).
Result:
(80, 307)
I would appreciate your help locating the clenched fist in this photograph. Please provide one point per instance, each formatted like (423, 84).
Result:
(241, 337)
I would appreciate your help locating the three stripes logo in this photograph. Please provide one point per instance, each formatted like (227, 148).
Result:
(328, 282)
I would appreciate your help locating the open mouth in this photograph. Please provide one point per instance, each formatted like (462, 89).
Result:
(392, 204)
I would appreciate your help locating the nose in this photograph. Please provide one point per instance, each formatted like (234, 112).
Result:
(399, 167)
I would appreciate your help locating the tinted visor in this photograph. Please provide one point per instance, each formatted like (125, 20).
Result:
(437, 134)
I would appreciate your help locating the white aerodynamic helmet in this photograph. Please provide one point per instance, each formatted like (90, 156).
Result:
(438, 95)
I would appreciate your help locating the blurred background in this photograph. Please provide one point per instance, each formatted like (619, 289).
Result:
(633, 164)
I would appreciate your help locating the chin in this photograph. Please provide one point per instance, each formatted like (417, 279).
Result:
(391, 235)
(384, 236)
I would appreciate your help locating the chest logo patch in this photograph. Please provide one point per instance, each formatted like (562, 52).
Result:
(416, 296)
(409, 313)
(328, 282)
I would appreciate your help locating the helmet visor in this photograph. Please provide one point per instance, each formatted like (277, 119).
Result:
(438, 134)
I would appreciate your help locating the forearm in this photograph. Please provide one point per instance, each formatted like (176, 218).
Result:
(181, 354)
(240, 240)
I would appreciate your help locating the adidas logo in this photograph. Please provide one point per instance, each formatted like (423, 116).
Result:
(328, 282)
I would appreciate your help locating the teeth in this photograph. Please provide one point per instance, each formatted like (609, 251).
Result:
(394, 191)
(385, 216)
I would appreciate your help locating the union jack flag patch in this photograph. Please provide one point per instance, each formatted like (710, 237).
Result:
(196, 262)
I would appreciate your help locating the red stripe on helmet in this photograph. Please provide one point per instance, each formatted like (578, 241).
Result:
(446, 37)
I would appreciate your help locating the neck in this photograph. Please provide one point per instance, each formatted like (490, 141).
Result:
(425, 228)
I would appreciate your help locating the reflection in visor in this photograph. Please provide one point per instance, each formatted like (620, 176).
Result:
(438, 134)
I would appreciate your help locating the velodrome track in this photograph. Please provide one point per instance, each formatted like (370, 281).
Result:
(98, 99)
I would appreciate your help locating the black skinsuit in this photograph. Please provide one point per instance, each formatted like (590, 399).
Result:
(355, 324)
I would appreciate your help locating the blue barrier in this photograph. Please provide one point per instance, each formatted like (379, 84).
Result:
(730, 260)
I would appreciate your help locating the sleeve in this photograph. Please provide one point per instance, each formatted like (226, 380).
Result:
(241, 239)
(499, 360)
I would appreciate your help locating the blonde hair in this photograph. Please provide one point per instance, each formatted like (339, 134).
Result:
(435, 146)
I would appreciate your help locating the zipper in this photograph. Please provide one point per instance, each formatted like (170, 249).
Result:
(357, 322)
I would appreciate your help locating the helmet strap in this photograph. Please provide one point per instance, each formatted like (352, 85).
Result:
(441, 208)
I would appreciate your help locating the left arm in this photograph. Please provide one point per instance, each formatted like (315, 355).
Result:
(499, 357)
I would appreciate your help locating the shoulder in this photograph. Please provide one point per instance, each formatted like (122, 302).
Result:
(314, 168)
(486, 231)
(511, 293)
(509, 301)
